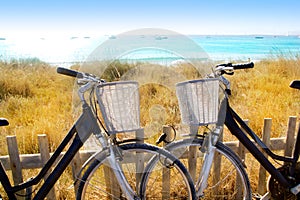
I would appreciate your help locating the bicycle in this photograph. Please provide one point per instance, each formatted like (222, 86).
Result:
(119, 169)
(200, 105)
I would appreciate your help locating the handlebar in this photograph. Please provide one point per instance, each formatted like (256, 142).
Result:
(85, 80)
(243, 66)
(229, 68)
(69, 72)
(83, 77)
(236, 66)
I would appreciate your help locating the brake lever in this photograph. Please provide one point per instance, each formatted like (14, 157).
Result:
(230, 73)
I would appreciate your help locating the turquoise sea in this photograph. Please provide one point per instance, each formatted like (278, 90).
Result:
(68, 50)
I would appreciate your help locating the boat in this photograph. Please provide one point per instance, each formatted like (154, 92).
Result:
(112, 37)
(259, 37)
(161, 37)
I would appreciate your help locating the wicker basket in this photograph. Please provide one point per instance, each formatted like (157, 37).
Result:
(120, 106)
(198, 101)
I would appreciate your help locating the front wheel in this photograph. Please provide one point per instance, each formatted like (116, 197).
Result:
(167, 179)
(227, 177)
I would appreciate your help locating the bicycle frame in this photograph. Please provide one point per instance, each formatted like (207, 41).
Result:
(84, 127)
(80, 132)
(234, 122)
(241, 131)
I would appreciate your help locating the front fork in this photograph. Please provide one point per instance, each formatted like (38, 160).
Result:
(114, 156)
(208, 147)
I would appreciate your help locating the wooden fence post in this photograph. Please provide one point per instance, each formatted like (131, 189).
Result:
(45, 155)
(242, 154)
(140, 161)
(166, 172)
(192, 157)
(290, 137)
(76, 165)
(15, 162)
(241, 149)
(262, 172)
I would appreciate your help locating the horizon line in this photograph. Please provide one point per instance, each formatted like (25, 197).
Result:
(98, 33)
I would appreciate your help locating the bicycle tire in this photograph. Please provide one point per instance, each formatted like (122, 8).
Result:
(93, 184)
(224, 181)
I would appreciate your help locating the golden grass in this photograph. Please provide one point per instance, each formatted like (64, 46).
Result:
(264, 92)
(37, 100)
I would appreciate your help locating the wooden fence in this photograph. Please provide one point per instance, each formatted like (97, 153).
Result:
(16, 162)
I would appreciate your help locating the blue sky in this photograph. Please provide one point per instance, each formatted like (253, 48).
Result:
(113, 16)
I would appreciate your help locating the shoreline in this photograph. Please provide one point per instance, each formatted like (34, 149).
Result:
(224, 48)
(162, 61)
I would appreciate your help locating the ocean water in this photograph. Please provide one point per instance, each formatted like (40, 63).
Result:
(69, 50)
(249, 47)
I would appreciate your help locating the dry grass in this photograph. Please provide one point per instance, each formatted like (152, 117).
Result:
(37, 100)
(264, 92)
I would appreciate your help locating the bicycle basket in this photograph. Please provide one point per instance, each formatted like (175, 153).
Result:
(119, 103)
(198, 101)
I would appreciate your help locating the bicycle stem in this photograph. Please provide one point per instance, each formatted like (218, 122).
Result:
(83, 89)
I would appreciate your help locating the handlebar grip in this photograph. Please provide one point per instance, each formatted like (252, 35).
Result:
(69, 72)
(243, 66)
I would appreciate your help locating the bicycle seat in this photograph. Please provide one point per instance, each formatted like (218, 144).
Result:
(295, 84)
(3, 122)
